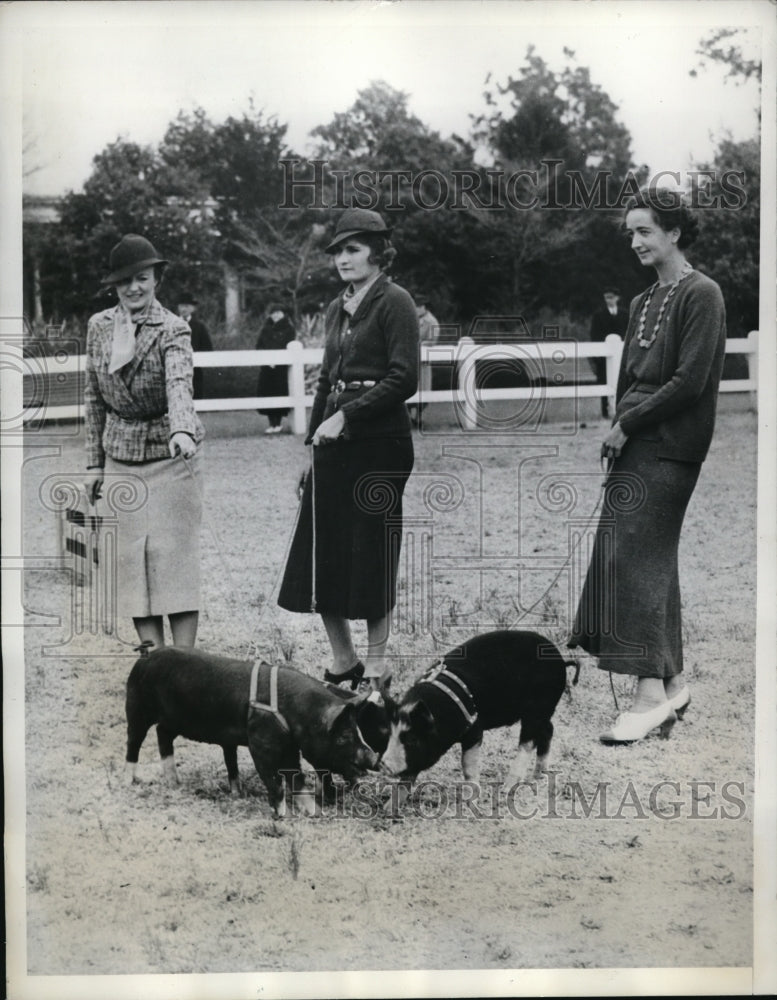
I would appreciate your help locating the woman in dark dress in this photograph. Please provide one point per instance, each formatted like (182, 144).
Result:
(345, 551)
(629, 612)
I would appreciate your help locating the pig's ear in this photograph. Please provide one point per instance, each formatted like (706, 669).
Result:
(338, 714)
(390, 707)
(422, 716)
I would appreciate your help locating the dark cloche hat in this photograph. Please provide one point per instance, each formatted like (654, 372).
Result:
(354, 221)
(131, 254)
(186, 299)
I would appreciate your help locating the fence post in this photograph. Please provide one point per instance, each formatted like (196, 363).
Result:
(613, 359)
(752, 367)
(465, 405)
(297, 386)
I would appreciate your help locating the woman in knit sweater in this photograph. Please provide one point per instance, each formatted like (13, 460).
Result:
(345, 551)
(629, 612)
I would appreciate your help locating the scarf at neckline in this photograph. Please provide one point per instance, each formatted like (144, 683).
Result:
(125, 329)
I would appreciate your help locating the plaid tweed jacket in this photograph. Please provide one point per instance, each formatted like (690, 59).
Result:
(132, 414)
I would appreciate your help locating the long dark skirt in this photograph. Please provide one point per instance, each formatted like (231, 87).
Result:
(273, 381)
(629, 611)
(356, 488)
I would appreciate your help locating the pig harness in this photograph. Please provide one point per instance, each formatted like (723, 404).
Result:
(254, 705)
(458, 694)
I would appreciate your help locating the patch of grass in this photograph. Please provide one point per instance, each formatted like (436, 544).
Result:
(284, 645)
(184, 850)
(294, 859)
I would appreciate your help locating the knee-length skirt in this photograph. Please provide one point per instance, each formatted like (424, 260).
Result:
(158, 511)
(629, 612)
(345, 549)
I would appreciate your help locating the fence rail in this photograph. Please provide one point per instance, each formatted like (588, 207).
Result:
(551, 368)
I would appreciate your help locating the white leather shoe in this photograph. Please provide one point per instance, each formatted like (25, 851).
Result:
(681, 701)
(632, 726)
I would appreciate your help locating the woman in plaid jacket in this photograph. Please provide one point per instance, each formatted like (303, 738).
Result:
(142, 435)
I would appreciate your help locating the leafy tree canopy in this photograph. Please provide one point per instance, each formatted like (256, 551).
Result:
(543, 114)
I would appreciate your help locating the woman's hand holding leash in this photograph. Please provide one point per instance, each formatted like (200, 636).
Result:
(94, 486)
(614, 442)
(183, 444)
(330, 429)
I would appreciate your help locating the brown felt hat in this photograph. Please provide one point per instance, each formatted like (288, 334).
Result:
(354, 221)
(131, 254)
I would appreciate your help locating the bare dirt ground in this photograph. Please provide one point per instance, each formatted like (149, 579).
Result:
(636, 856)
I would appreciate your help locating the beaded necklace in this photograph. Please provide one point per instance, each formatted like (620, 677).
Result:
(687, 269)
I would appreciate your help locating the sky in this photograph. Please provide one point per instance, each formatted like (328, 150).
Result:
(90, 72)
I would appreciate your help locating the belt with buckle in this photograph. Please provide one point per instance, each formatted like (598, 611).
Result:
(341, 386)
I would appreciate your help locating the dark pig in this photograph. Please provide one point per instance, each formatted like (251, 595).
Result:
(496, 679)
(374, 726)
(204, 697)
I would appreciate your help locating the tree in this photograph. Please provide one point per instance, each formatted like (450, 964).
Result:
(268, 252)
(541, 114)
(728, 248)
(129, 190)
(558, 132)
(207, 198)
(379, 134)
(724, 46)
(728, 245)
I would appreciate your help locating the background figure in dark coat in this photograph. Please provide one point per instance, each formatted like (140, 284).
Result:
(200, 339)
(607, 319)
(276, 333)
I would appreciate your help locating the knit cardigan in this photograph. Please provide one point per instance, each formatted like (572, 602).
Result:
(381, 347)
(669, 391)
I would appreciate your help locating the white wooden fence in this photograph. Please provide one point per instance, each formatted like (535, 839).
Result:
(552, 367)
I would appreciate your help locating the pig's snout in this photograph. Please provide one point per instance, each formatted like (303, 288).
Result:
(367, 758)
(393, 761)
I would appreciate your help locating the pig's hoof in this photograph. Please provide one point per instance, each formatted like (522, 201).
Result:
(129, 774)
(169, 774)
(306, 804)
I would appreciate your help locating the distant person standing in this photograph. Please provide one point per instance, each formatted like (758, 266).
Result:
(608, 318)
(277, 332)
(200, 339)
(429, 330)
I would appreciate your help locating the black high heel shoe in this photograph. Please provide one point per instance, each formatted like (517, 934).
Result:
(354, 675)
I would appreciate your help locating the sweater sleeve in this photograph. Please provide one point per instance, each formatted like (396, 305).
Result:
(95, 407)
(319, 400)
(179, 368)
(399, 322)
(700, 318)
